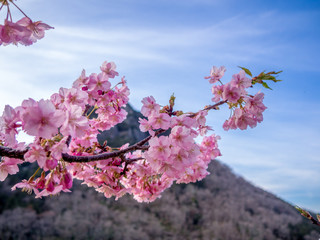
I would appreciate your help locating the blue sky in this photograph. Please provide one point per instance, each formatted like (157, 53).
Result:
(167, 46)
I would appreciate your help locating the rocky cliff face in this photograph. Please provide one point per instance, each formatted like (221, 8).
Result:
(222, 206)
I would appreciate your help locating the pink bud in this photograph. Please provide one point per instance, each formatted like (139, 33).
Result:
(67, 181)
(50, 186)
(51, 163)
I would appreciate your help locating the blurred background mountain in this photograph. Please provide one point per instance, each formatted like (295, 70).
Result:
(222, 206)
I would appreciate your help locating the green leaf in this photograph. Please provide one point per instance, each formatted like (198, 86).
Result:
(247, 71)
(266, 85)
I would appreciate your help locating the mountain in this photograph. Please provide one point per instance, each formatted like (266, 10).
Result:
(222, 206)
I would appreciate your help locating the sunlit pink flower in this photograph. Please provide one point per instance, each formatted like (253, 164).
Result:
(27, 186)
(149, 106)
(75, 124)
(182, 137)
(216, 74)
(81, 81)
(109, 68)
(231, 93)
(41, 119)
(11, 32)
(36, 30)
(240, 80)
(145, 126)
(161, 120)
(243, 119)
(217, 91)
(9, 166)
(160, 147)
(255, 104)
(9, 122)
(183, 120)
(36, 153)
(99, 82)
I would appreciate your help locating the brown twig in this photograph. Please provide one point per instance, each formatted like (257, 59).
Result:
(207, 108)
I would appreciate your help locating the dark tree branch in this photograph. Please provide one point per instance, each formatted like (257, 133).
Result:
(12, 153)
(138, 146)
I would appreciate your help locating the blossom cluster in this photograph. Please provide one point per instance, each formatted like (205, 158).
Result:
(65, 129)
(247, 109)
(25, 31)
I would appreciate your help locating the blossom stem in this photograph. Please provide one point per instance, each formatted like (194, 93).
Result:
(94, 108)
(33, 176)
(8, 13)
(2, 6)
(20, 9)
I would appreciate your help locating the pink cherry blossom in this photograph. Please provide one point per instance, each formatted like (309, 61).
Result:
(36, 153)
(12, 33)
(243, 119)
(109, 68)
(182, 137)
(160, 147)
(255, 103)
(75, 124)
(231, 93)
(217, 91)
(149, 106)
(8, 166)
(160, 121)
(9, 124)
(27, 186)
(99, 82)
(145, 126)
(216, 74)
(81, 81)
(240, 80)
(41, 119)
(183, 120)
(36, 29)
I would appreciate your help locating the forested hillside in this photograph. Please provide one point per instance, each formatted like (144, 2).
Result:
(222, 206)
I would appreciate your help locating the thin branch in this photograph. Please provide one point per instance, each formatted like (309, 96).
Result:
(211, 107)
(128, 161)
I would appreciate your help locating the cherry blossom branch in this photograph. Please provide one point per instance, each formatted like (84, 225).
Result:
(211, 107)
(19, 154)
(138, 146)
(12, 153)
